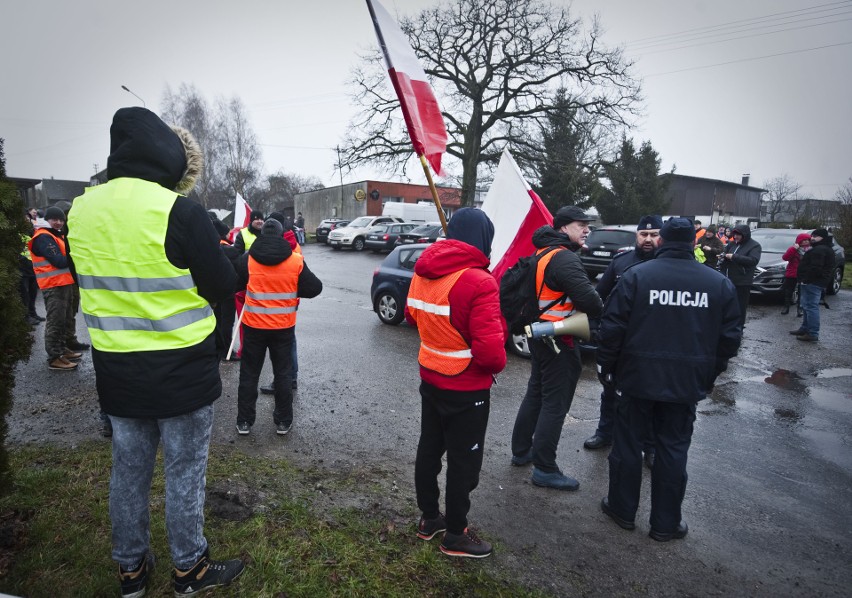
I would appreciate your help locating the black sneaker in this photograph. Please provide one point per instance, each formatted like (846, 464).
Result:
(206, 574)
(282, 429)
(428, 528)
(269, 389)
(243, 428)
(78, 346)
(466, 544)
(295, 384)
(106, 428)
(134, 583)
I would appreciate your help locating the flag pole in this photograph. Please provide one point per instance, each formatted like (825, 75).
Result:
(434, 193)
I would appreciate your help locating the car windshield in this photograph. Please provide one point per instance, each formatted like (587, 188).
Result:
(424, 229)
(775, 241)
(620, 238)
(361, 222)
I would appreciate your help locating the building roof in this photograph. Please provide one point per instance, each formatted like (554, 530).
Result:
(56, 189)
(699, 178)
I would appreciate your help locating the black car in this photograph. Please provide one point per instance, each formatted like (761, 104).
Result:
(425, 233)
(769, 275)
(328, 225)
(383, 236)
(603, 244)
(389, 291)
(391, 280)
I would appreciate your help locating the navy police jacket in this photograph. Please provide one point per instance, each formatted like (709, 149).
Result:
(669, 328)
(616, 268)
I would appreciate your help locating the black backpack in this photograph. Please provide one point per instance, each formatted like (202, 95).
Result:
(519, 295)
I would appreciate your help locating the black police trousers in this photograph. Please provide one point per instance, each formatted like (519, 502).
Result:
(672, 425)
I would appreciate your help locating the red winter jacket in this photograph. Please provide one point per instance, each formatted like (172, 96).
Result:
(474, 312)
(793, 256)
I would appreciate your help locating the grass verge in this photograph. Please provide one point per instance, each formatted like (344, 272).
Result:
(55, 532)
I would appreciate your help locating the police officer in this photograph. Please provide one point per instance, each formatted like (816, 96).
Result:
(668, 330)
(647, 240)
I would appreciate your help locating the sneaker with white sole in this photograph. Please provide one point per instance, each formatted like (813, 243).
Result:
(243, 428)
(282, 429)
(206, 573)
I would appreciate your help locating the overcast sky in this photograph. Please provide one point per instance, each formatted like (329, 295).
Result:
(731, 87)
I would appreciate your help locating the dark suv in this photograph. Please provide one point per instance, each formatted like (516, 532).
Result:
(603, 244)
(769, 275)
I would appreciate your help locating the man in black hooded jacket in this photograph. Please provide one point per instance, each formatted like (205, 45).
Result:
(146, 298)
(815, 272)
(739, 261)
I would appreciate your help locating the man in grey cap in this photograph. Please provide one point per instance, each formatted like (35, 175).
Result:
(562, 287)
(647, 240)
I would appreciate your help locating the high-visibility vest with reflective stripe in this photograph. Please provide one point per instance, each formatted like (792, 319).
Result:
(248, 238)
(46, 275)
(132, 297)
(442, 347)
(561, 310)
(272, 293)
(25, 252)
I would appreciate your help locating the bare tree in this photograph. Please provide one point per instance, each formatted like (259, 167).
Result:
(496, 66)
(843, 233)
(239, 151)
(188, 108)
(279, 190)
(778, 191)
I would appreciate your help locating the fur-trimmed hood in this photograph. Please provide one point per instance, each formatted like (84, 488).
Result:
(142, 146)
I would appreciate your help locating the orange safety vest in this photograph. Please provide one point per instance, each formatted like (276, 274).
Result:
(272, 293)
(442, 348)
(46, 275)
(546, 296)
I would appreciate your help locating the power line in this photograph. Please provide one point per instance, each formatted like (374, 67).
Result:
(696, 68)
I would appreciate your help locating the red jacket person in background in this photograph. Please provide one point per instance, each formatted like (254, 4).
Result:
(454, 302)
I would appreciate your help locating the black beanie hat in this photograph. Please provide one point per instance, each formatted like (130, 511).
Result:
(272, 227)
(820, 232)
(54, 212)
(255, 214)
(278, 216)
(678, 230)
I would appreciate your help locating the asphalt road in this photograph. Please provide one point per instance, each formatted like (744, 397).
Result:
(769, 500)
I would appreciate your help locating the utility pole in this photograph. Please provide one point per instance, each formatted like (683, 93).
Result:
(124, 87)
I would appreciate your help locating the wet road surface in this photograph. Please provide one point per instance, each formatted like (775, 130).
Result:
(769, 499)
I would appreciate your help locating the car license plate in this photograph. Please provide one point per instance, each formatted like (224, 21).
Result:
(601, 253)
(372, 237)
(408, 240)
(330, 242)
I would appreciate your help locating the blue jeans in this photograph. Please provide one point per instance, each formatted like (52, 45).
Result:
(809, 295)
(186, 439)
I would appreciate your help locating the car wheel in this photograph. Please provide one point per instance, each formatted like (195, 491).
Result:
(358, 244)
(836, 281)
(519, 346)
(389, 309)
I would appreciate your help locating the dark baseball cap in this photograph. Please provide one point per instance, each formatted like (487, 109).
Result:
(568, 214)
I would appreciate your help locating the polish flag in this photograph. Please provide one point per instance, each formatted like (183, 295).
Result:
(242, 212)
(516, 211)
(419, 107)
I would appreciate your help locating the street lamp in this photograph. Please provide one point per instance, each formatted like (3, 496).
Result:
(124, 87)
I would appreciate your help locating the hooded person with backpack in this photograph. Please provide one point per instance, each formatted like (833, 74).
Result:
(562, 287)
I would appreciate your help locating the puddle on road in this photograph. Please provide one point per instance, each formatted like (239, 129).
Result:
(829, 399)
(831, 446)
(786, 379)
(788, 414)
(834, 373)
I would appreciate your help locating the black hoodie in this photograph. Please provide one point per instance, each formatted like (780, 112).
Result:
(817, 265)
(746, 255)
(271, 250)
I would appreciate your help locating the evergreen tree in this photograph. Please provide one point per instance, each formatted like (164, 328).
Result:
(14, 332)
(636, 187)
(566, 168)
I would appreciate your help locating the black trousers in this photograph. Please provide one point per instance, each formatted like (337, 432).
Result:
(743, 294)
(672, 425)
(28, 288)
(256, 341)
(451, 422)
(788, 287)
(550, 392)
(607, 421)
(225, 315)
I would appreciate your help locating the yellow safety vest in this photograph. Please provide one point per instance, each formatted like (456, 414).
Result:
(132, 297)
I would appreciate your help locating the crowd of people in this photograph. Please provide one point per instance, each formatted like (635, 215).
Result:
(160, 307)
